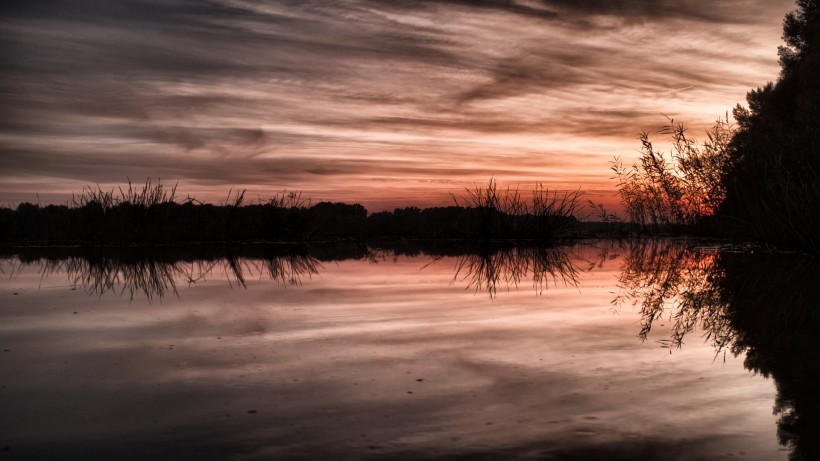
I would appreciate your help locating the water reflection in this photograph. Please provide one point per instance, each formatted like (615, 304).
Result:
(672, 281)
(509, 267)
(763, 305)
(156, 272)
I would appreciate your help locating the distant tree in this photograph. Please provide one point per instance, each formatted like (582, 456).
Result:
(333, 220)
(772, 180)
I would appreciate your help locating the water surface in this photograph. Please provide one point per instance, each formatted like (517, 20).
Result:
(388, 354)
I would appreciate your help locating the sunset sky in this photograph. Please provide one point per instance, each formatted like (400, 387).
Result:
(386, 103)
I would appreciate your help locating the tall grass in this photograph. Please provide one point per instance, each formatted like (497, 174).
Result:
(150, 194)
(506, 213)
(681, 188)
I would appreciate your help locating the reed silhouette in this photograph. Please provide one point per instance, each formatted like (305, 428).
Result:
(506, 213)
(665, 192)
(766, 306)
(151, 214)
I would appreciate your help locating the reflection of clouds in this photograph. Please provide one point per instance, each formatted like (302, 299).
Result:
(334, 359)
(291, 93)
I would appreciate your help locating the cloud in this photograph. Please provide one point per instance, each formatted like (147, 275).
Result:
(249, 93)
(531, 10)
(748, 11)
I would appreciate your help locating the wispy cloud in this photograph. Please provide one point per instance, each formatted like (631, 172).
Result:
(365, 99)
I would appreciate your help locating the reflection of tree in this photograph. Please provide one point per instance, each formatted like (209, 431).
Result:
(774, 304)
(486, 270)
(766, 306)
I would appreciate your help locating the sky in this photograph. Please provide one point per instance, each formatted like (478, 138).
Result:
(387, 103)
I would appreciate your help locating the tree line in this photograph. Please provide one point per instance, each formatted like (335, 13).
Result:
(151, 214)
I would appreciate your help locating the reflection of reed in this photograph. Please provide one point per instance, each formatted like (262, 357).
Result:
(486, 271)
(158, 278)
(671, 281)
(292, 268)
(98, 276)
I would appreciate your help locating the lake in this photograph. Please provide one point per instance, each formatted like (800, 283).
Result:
(672, 350)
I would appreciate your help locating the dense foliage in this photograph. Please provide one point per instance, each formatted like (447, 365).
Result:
(773, 180)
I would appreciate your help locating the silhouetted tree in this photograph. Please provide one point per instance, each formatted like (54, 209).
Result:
(773, 179)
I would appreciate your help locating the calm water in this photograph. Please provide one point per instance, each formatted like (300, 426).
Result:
(592, 351)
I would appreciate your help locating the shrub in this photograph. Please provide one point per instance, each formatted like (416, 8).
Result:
(683, 187)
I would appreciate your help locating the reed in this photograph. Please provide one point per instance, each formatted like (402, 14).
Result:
(506, 214)
(152, 213)
(663, 191)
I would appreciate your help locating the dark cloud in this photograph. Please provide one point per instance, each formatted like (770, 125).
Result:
(496, 6)
(223, 171)
(741, 11)
(578, 12)
(531, 74)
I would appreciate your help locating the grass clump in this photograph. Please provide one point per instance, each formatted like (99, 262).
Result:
(505, 213)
